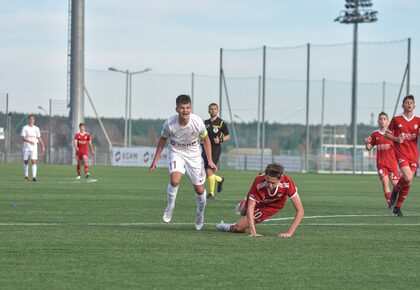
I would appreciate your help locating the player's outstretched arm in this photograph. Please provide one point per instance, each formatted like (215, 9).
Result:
(297, 204)
(250, 219)
(159, 148)
(207, 149)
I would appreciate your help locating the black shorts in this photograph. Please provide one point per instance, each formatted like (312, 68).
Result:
(216, 151)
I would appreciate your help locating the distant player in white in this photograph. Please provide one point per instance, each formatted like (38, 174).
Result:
(31, 136)
(184, 132)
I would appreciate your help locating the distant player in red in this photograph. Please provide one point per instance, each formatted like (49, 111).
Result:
(386, 163)
(266, 197)
(81, 142)
(404, 131)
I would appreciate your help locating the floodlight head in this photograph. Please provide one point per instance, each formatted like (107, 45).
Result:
(112, 69)
(357, 11)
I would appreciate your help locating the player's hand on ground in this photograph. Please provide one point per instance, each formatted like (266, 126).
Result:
(285, 235)
(254, 235)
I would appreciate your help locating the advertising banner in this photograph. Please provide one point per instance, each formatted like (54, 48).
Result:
(137, 156)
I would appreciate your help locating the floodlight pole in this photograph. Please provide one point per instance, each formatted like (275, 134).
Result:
(77, 66)
(356, 13)
(354, 95)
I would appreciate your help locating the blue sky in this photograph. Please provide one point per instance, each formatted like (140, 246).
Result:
(181, 37)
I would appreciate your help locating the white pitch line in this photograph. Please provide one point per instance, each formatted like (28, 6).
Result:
(87, 181)
(69, 181)
(266, 223)
(333, 216)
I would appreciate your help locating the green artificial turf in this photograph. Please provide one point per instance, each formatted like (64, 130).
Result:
(107, 233)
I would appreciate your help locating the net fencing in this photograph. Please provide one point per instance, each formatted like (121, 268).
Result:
(294, 75)
(283, 88)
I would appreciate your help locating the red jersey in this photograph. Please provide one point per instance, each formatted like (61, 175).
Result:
(409, 129)
(385, 155)
(82, 142)
(260, 194)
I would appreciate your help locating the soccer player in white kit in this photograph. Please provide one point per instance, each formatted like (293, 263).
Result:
(185, 131)
(31, 136)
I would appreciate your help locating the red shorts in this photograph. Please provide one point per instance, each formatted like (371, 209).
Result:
(263, 212)
(406, 161)
(81, 155)
(392, 173)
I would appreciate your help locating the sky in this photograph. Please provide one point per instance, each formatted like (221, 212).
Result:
(179, 37)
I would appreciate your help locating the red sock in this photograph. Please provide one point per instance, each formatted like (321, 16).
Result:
(401, 184)
(78, 169)
(86, 168)
(388, 197)
(402, 196)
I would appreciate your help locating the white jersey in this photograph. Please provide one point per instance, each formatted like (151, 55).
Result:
(31, 133)
(184, 140)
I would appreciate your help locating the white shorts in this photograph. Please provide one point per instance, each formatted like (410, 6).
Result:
(30, 154)
(193, 166)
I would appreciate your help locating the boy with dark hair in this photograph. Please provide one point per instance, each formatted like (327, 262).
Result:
(184, 131)
(386, 163)
(404, 131)
(31, 136)
(218, 133)
(266, 197)
(81, 142)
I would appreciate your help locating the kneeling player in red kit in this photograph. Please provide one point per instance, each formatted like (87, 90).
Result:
(81, 142)
(266, 197)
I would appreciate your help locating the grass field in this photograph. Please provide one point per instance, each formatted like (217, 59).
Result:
(107, 234)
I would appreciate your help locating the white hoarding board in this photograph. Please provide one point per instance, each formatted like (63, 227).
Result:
(137, 156)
